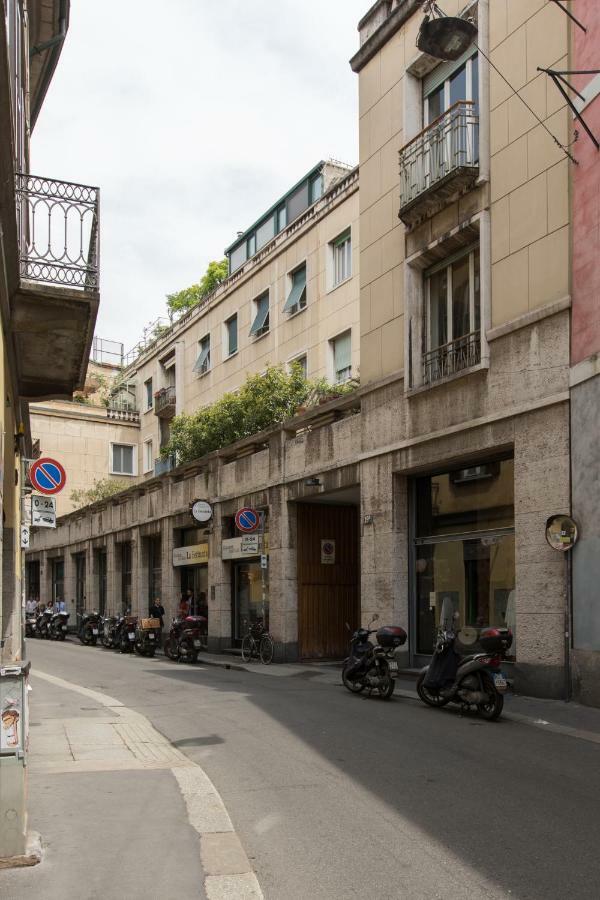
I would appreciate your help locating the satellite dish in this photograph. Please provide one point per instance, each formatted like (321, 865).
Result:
(447, 37)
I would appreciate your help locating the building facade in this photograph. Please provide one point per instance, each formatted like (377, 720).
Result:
(585, 361)
(432, 483)
(49, 295)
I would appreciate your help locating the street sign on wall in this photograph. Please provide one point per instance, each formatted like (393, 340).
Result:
(201, 511)
(47, 476)
(247, 520)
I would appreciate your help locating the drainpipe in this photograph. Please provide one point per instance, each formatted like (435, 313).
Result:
(55, 46)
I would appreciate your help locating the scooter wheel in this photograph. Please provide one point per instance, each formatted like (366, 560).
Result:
(355, 687)
(427, 696)
(491, 710)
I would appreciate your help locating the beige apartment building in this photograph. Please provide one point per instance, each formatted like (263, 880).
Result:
(433, 482)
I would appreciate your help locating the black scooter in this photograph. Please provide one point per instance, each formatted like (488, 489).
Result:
(42, 624)
(473, 682)
(373, 666)
(110, 626)
(89, 628)
(58, 626)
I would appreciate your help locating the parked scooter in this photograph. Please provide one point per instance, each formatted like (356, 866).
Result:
(110, 626)
(89, 628)
(58, 626)
(373, 666)
(186, 638)
(126, 634)
(473, 682)
(147, 636)
(42, 624)
(30, 625)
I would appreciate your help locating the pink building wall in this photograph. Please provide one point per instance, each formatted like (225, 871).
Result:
(585, 336)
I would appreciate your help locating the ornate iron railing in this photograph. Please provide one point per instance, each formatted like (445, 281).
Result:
(58, 227)
(453, 357)
(122, 414)
(449, 144)
(165, 400)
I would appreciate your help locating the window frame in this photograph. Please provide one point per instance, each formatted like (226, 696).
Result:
(299, 306)
(149, 395)
(447, 266)
(148, 463)
(206, 366)
(296, 358)
(332, 343)
(343, 238)
(227, 342)
(264, 329)
(111, 468)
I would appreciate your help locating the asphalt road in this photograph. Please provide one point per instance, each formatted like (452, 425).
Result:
(339, 796)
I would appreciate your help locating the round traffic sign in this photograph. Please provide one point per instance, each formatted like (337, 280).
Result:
(247, 520)
(47, 476)
(201, 511)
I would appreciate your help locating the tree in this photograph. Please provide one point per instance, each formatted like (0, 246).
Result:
(181, 301)
(101, 489)
(262, 401)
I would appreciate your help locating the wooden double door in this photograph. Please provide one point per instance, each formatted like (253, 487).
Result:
(328, 579)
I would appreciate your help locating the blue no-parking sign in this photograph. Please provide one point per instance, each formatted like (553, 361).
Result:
(247, 520)
(47, 476)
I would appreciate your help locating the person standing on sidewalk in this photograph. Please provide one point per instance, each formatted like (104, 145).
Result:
(157, 611)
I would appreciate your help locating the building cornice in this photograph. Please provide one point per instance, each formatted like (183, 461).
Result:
(386, 30)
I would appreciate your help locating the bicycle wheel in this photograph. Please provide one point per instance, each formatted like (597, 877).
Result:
(247, 647)
(266, 649)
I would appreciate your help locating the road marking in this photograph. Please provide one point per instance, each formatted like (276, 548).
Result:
(133, 742)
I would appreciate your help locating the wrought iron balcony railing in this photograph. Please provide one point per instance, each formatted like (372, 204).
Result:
(164, 402)
(58, 228)
(443, 153)
(451, 358)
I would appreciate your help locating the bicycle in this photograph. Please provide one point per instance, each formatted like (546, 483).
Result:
(257, 643)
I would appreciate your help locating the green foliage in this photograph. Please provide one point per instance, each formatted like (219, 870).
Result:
(100, 490)
(262, 402)
(189, 297)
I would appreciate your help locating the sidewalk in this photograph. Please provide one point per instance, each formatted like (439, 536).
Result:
(569, 719)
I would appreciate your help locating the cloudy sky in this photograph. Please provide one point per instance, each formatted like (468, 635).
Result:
(193, 116)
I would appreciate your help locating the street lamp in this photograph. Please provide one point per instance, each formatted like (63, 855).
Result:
(445, 37)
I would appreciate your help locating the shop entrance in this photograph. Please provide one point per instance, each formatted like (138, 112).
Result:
(328, 578)
(195, 579)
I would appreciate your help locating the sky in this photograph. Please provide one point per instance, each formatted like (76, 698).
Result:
(193, 117)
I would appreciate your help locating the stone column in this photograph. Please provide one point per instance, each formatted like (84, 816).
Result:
(170, 586)
(70, 585)
(219, 588)
(282, 572)
(135, 566)
(91, 581)
(113, 572)
(384, 543)
(139, 600)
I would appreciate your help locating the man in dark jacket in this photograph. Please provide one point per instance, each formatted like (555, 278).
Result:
(157, 611)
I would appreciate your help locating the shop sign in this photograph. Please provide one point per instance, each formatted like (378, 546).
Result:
(194, 555)
(241, 547)
(327, 553)
(201, 511)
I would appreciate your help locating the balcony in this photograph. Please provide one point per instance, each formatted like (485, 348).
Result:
(162, 466)
(451, 358)
(122, 411)
(55, 303)
(164, 403)
(439, 163)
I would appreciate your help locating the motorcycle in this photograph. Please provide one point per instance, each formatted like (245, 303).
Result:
(373, 666)
(30, 625)
(473, 682)
(58, 626)
(125, 636)
(89, 628)
(186, 638)
(109, 631)
(42, 624)
(147, 637)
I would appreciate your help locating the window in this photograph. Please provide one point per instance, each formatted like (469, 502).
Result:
(149, 395)
(453, 317)
(260, 324)
(231, 334)
(342, 357)
(298, 202)
(148, 456)
(122, 459)
(58, 580)
(316, 189)
(265, 232)
(342, 258)
(237, 257)
(296, 298)
(455, 141)
(302, 362)
(449, 83)
(202, 365)
(464, 546)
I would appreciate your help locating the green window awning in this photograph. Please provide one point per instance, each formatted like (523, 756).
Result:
(262, 315)
(202, 361)
(298, 291)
